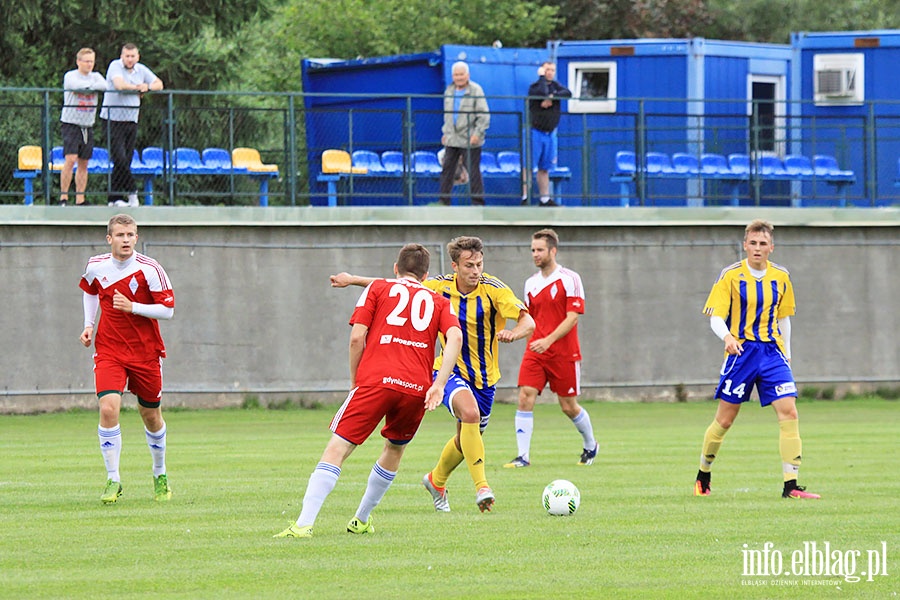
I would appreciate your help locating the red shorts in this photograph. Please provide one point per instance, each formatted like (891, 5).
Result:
(364, 408)
(564, 376)
(144, 379)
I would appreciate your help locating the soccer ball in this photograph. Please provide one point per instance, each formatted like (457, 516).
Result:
(561, 498)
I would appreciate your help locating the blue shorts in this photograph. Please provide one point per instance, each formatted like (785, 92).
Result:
(484, 397)
(761, 364)
(543, 149)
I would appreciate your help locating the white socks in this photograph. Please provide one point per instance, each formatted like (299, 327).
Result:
(321, 482)
(157, 444)
(524, 429)
(583, 424)
(380, 479)
(111, 449)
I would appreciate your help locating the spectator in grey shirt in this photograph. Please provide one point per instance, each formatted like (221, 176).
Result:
(79, 112)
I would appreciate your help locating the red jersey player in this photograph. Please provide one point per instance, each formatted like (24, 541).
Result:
(133, 293)
(555, 298)
(392, 346)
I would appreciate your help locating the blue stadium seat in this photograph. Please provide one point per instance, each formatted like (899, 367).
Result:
(827, 167)
(625, 163)
(189, 162)
(218, 160)
(99, 161)
(426, 163)
(685, 164)
(392, 161)
(368, 160)
(153, 157)
(659, 163)
(771, 166)
(798, 166)
(489, 163)
(57, 158)
(715, 165)
(509, 162)
(739, 164)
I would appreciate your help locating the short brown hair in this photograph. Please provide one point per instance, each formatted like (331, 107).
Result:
(760, 225)
(414, 259)
(120, 219)
(464, 243)
(549, 236)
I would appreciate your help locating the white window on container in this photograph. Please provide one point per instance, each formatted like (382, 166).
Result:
(593, 86)
(839, 79)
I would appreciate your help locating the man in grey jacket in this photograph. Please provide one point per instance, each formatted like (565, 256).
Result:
(466, 119)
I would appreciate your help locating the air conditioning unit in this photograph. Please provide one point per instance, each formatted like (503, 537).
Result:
(839, 79)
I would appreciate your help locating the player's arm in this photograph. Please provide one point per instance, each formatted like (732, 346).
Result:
(357, 345)
(342, 280)
(91, 303)
(567, 324)
(452, 347)
(524, 327)
(732, 345)
(784, 325)
(151, 311)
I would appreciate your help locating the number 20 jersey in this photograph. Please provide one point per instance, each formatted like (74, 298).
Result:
(404, 319)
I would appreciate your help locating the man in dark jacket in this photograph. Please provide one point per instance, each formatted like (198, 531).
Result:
(543, 106)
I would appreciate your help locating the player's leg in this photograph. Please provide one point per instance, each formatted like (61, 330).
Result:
(524, 422)
(109, 381)
(581, 419)
(565, 381)
(735, 384)
(321, 483)
(777, 388)
(380, 479)
(532, 379)
(401, 424)
(110, 435)
(145, 382)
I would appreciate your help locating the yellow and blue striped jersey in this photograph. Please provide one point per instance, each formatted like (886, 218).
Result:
(751, 307)
(482, 313)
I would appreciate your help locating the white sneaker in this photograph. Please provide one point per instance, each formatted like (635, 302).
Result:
(118, 203)
(133, 200)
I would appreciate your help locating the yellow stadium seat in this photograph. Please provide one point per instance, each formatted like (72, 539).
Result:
(248, 158)
(338, 161)
(31, 158)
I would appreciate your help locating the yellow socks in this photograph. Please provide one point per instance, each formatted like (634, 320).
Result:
(790, 446)
(712, 440)
(473, 451)
(449, 460)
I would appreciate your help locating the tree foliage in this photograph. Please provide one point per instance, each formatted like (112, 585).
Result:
(188, 43)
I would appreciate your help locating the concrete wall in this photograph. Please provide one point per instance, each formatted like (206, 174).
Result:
(255, 313)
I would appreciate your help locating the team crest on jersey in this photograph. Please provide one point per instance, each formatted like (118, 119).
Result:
(386, 338)
(785, 388)
(133, 285)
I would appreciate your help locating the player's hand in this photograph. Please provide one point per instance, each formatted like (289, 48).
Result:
(341, 280)
(540, 71)
(732, 346)
(540, 346)
(86, 337)
(120, 302)
(506, 336)
(434, 396)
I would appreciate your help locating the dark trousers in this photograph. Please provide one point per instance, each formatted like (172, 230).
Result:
(472, 159)
(122, 138)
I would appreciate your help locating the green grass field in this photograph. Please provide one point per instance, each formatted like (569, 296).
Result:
(239, 475)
